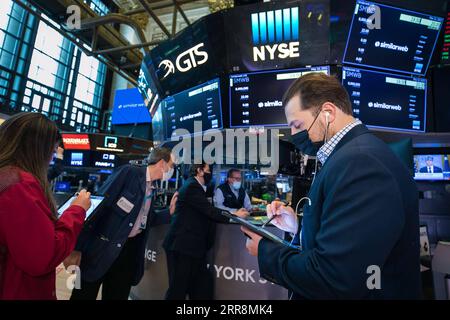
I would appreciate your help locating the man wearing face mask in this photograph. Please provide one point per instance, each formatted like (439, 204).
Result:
(191, 235)
(230, 196)
(110, 249)
(360, 229)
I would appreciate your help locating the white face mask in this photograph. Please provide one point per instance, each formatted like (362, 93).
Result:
(168, 174)
(236, 185)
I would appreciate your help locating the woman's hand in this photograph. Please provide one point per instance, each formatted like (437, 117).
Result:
(83, 200)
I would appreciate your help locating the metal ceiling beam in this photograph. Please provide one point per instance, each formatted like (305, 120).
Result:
(73, 39)
(174, 21)
(115, 18)
(134, 46)
(149, 10)
(177, 6)
(157, 7)
(110, 29)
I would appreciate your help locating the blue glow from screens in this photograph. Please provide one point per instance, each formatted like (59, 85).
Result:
(387, 101)
(279, 25)
(62, 186)
(129, 108)
(76, 159)
(407, 54)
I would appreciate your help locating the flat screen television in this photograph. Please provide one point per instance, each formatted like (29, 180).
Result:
(148, 84)
(256, 97)
(404, 41)
(432, 167)
(76, 158)
(129, 108)
(201, 104)
(387, 101)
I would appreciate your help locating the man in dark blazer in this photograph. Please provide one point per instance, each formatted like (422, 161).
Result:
(191, 235)
(430, 167)
(360, 233)
(111, 246)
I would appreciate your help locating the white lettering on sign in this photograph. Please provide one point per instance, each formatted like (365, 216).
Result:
(76, 140)
(186, 61)
(150, 255)
(280, 51)
(237, 274)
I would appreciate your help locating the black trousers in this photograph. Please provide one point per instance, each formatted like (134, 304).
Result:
(117, 280)
(188, 276)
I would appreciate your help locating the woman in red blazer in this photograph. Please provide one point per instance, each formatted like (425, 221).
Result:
(33, 242)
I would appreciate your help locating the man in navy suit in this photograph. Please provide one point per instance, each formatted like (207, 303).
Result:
(111, 247)
(191, 236)
(430, 167)
(360, 232)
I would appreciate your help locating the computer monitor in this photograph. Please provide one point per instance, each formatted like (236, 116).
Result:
(158, 129)
(388, 101)
(129, 108)
(403, 41)
(431, 167)
(256, 97)
(199, 104)
(62, 186)
(76, 158)
(148, 84)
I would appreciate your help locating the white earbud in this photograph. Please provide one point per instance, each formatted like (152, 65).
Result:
(327, 117)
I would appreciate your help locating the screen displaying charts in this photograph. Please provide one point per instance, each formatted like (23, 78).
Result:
(256, 98)
(431, 167)
(394, 39)
(195, 110)
(385, 100)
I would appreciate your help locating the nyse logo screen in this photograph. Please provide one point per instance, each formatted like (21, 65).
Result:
(275, 34)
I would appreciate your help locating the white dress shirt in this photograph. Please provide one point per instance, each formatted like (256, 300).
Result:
(141, 221)
(219, 199)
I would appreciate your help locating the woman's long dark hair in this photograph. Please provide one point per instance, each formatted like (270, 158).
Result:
(27, 141)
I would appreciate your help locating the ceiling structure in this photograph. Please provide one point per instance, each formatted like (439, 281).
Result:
(100, 35)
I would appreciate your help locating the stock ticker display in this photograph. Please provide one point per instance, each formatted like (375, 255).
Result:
(403, 41)
(201, 103)
(256, 98)
(445, 55)
(384, 100)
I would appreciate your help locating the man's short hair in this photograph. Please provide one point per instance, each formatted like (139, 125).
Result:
(429, 158)
(231, 171)
(315, 89)
(194, 168)
(158, 154)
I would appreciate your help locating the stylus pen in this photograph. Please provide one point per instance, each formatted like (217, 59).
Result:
(268, 221)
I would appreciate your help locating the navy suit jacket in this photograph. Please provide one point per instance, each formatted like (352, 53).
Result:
(364, 213)
(435, 170)
(103, 238)
(193, 226)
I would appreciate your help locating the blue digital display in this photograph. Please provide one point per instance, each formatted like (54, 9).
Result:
(256, 97)
(268, 27)
(390, 38)
(432, 167)
(201, 104)
(62, 186)
(389, 101)
(129, 108)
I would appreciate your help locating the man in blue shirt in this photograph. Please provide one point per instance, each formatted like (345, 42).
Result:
(360, 230)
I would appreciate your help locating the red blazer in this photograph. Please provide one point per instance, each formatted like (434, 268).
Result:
(33, 244)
